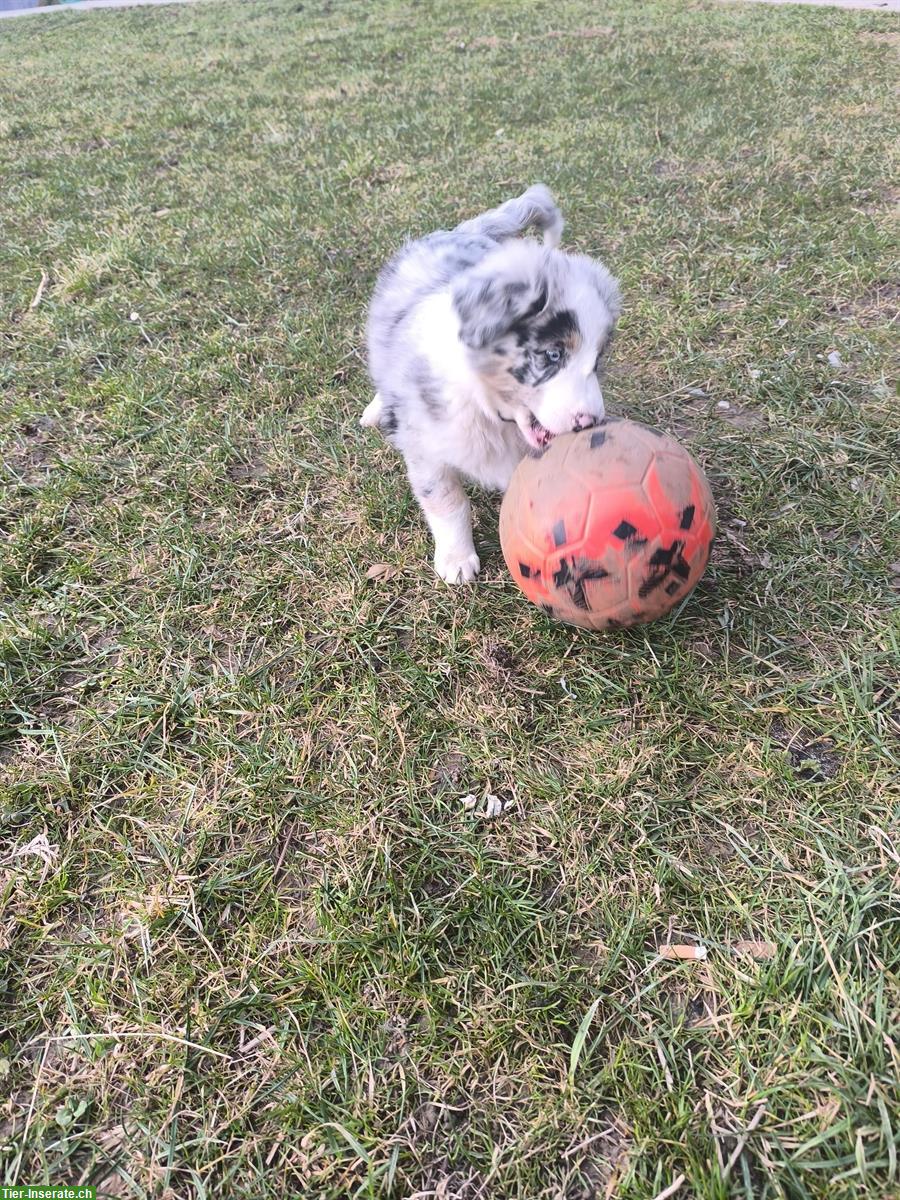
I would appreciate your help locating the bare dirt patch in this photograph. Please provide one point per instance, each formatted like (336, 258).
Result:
(740, 416)
(813, 758)
(247, 470)
(599, 1160)
(449, 772)
(876, 304)
(886, 37)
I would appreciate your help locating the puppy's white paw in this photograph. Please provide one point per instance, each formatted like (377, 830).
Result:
(372, 412)
(455, 565)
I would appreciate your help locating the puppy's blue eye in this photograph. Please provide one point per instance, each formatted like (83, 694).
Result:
(552, 356)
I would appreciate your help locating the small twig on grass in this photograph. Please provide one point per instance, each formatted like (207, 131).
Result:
(679, 391)
(266, 1035)
(670, 1190)
(583, 1145)
(40, 290)
(743, 1139)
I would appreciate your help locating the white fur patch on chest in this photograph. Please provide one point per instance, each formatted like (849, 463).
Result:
(488, 453)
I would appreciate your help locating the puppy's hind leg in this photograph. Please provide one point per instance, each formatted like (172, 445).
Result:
(449, 515)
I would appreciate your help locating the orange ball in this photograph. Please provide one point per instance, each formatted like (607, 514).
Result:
(608, 527)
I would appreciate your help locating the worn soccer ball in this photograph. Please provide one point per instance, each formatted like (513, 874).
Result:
(608, 527)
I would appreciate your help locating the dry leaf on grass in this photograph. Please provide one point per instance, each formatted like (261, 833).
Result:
(755, 949)
(381, 571)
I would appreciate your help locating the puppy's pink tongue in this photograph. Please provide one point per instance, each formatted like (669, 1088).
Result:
(542, 437)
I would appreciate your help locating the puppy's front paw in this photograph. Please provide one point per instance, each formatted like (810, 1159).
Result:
(456, 565)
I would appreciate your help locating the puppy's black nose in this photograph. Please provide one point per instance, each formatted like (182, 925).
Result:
(583, 421)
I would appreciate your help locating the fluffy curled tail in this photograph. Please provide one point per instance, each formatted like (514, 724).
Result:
(536, 208)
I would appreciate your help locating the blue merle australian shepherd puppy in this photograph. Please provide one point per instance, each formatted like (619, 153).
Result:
(483, 346)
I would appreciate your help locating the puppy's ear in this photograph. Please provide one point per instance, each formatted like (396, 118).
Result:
(494, 296)
(607, 288)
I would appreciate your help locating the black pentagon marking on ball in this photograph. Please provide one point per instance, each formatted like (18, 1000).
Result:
(687, 517)
(559, 533)
(663, 562)
(579, 599)
(663, 556)
(650, 584)
(573, 578)
(598, 439)
(563, 575)
(624, 530)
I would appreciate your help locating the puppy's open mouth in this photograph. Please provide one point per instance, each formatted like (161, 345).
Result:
(537, 434)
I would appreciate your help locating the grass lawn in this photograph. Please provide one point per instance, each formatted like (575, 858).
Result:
(255, 945)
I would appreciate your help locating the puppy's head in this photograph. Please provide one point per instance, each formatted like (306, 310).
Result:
(536, 323)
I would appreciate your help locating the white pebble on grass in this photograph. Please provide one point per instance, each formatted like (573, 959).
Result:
(492, 806)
